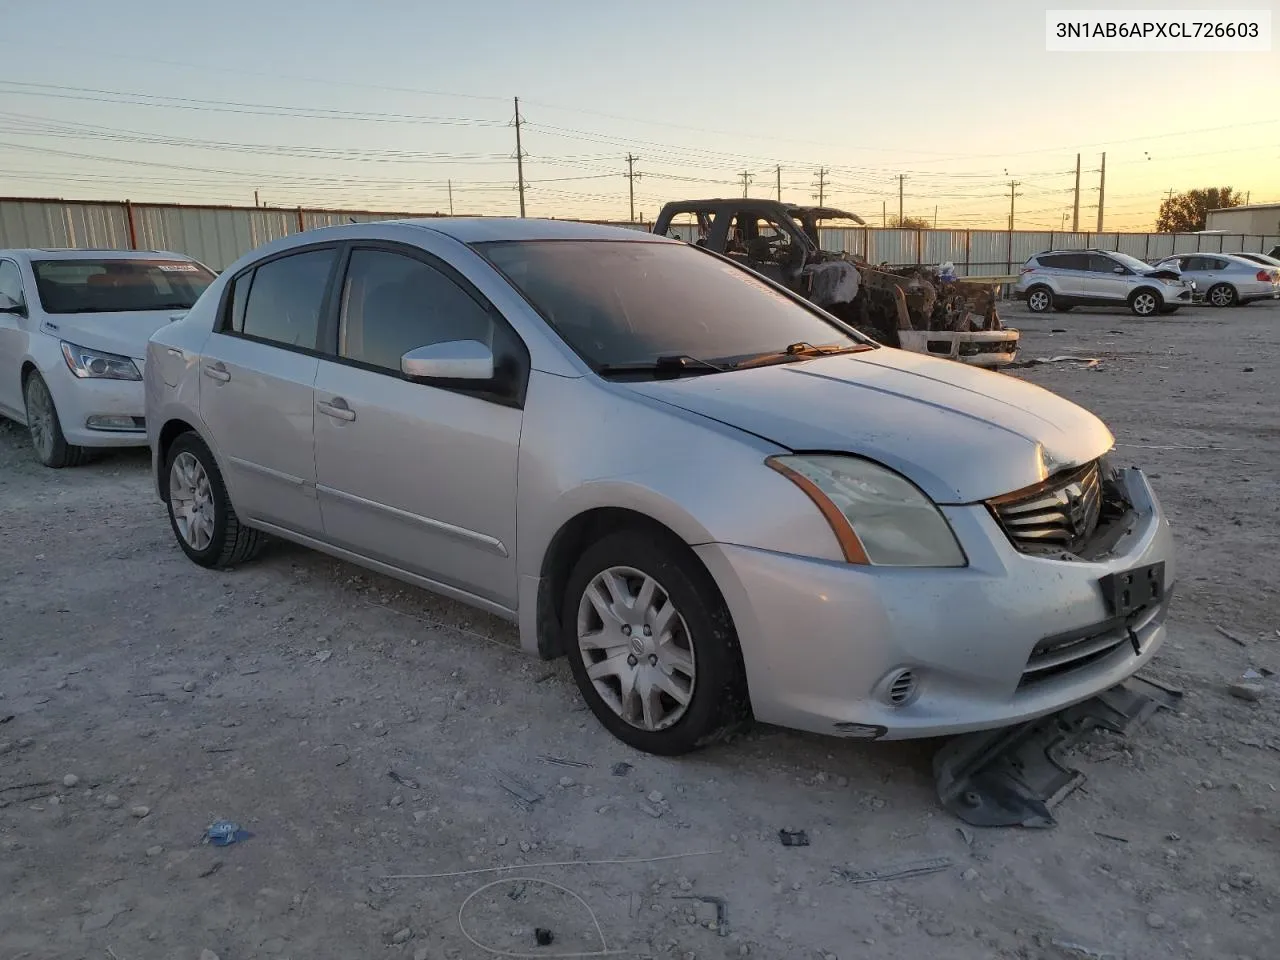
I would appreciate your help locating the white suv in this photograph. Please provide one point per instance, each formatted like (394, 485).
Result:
(1062, 279)
(74, 326)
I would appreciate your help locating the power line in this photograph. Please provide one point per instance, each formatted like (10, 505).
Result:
(632, 177)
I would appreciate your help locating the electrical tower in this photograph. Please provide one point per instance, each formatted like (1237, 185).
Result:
(520, 155)
(821, 184)
(632, 177)
(746, 181)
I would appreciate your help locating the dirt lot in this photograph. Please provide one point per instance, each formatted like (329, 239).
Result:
(284, 693)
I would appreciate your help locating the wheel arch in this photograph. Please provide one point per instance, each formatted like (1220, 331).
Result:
(567, 543)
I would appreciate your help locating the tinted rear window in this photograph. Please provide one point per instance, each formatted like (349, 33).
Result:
(620, 302)
(116, 286)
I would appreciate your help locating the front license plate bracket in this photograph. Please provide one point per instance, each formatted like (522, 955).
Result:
(1129, 591)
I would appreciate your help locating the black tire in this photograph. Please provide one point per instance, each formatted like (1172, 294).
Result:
(231, 542)
(1040, 299)
(52, 449)
(1145, 302)
(1222, 295)
(1064, 309)
(718, 704)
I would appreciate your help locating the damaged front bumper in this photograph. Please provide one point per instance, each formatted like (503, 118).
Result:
(980, 348)
(893, 653)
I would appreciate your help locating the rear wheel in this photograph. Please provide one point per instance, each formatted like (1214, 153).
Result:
(651, 644)
(1222, 295)
(200, 512)
(1039, 299)
(1145, 302)
(47, 440)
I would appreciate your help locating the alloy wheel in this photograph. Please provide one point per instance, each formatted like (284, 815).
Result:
(636, 647)
(191, 500)
(1038, 301)
(41, 420)
(1144, 304)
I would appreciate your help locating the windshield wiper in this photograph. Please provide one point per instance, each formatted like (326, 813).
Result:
(673, 365)
(800, 351)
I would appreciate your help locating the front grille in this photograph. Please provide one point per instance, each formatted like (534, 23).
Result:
(1059, 514)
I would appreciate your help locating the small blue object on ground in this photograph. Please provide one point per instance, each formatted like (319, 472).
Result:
(223, 833)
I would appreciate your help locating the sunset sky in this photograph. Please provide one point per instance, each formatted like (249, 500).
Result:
(378, 104)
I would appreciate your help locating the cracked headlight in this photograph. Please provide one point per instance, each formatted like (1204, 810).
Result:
(878, 517)
(96, 365)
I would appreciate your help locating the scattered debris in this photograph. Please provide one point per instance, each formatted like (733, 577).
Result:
(918, 869)
(1080, 950)
(140, 812)
(223, 833)
(6, 718)
(966, 835)
(1068, 358)
(534, 866)
(621, 768)
(519, 789)
(722, 910)
(70, 780)
(189, 686)
(655, 796)
(1014, 776)
(543, 937)
(563, 762)
(322, 657)
(407, 782)
(793, 838)
(1243, 690)
(567, 782)
(1230, 636)
(652, 809)
(403, 935)
(210, 870)
(539, 932)
(1110, 836)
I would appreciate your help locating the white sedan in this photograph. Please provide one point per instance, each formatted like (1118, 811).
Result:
(74, 326)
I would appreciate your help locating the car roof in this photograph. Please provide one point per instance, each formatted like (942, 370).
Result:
(491, 229)
(93, 253)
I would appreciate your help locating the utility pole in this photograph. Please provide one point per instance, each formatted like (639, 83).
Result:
(884, 213)
(821, 184)
(1013, 185)
(935, 216)
(778, 170)
(1102, 190)
(1247, 195)
(746, 180)
(519, 159)
(255, 198)
(1075, 209)
(901, 179)
(632, 176)
(451, 198)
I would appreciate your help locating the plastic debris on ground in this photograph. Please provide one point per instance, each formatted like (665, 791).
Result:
(793, 838)
(223, 833)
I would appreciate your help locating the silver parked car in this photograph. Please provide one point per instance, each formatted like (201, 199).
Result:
(714, 498)
(1227, 280)
(1062, 279)
(1260, 258)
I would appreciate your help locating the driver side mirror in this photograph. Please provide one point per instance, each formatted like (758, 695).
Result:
(9, 305)
(1119, 270)
(450, 360)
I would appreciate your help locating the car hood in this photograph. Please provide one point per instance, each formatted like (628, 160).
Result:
(125, 334)
(962, 434)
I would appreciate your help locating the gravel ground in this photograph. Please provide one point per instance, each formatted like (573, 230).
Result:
(150, 697)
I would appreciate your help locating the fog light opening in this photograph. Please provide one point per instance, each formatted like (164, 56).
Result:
(900, 687)
(115, 423)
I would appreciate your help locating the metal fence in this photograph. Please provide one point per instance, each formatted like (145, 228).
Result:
(217, 236)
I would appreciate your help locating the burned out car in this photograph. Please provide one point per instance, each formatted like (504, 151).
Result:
(917, 308)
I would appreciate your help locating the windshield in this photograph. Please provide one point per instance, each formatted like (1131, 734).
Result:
(626, 302)
(114, 286)
(1133, 263)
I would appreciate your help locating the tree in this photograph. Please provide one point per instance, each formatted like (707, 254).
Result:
(1188, 212)
(910, 223)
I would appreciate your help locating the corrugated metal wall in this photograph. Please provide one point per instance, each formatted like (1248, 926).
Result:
(219, 235)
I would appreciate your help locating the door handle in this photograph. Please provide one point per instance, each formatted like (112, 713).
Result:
(175, 352)
(216, 371)
(336, 408)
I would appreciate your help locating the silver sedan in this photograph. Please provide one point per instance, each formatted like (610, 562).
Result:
(715, 499)
(1227, 280)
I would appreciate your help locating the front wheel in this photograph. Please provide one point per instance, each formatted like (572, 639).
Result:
(1144, 303)
(1223, 295)
(47, 439)
(652, 646)
(1039, 299)
(200, 512)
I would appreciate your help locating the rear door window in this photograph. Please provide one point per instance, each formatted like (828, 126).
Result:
(284, 298)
